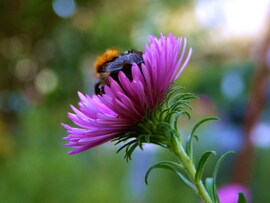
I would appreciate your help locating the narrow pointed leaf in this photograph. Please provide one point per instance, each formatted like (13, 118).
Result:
(201, 164)
(241, 198)
(175, 167)
(220, 160)
(209, 186)
(189, 142)
(201, 122)
(216, 172)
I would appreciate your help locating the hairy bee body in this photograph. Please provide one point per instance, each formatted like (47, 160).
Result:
(111, 62)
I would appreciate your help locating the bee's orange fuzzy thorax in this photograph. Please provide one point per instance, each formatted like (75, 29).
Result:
(109, 55)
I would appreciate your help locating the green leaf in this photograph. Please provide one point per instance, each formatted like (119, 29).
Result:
(241, 198)
(201, 122)
(201, 164)
(189, 142)
(175, 167)
(210, 188)
(220, 160)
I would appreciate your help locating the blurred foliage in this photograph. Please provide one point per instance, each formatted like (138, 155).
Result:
(46, 59)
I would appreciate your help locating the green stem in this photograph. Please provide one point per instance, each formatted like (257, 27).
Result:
(190, 169)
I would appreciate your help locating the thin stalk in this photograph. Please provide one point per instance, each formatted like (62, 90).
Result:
(190, 169)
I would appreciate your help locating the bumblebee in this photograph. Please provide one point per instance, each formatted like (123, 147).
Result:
(111, 62)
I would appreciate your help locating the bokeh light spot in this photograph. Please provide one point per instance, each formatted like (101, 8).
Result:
(207, 12)
(26, 69)
(64, 8)
(233, 17)
(232, 85)
(268, 57)
(261, 135)
(46, 81)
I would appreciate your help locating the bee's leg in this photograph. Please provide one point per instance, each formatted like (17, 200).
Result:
(99, 88)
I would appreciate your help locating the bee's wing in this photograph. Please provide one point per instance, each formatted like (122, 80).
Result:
(115, 65)
(119, 63)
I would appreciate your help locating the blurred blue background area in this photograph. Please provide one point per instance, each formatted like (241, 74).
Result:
(47, 52)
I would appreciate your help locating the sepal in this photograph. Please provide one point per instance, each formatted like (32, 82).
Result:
(158, 127)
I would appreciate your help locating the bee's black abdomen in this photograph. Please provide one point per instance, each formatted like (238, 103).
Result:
(126, 69)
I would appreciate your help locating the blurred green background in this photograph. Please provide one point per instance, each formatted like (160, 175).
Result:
(47, 52)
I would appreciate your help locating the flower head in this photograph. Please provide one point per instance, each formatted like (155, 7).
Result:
(127, 103)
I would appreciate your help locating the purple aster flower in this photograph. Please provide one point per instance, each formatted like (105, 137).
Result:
(123, 109)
